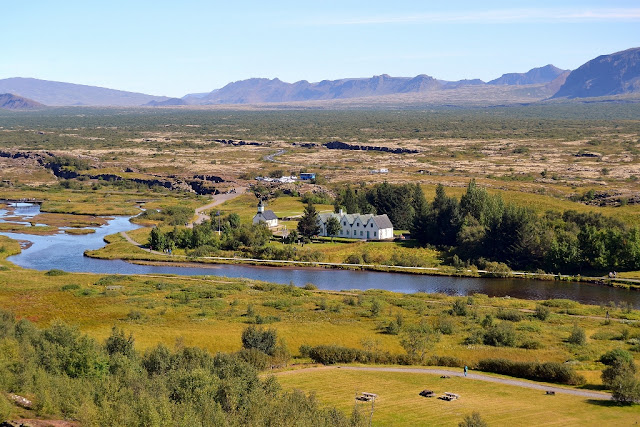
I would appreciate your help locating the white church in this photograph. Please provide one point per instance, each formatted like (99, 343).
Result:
(358, 226)
(268, 216)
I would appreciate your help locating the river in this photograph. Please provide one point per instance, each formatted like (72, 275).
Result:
(66, 252)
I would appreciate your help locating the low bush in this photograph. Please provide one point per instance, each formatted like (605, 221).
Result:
(332, 354)
(531, 345)
(55, 272)
(578, 336)
(500, 335)
(547, 371)
(449, 361)
(510, 315)
(542, 312)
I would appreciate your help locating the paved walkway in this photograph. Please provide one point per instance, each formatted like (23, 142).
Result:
(470, 375)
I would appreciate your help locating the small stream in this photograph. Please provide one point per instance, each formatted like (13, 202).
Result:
(66, 252)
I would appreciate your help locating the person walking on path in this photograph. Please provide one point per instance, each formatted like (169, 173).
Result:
(465, 370)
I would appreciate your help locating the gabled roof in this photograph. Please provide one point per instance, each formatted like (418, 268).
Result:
(267, 215)
(383, 221)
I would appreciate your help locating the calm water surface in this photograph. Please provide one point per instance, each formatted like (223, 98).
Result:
(65, 252)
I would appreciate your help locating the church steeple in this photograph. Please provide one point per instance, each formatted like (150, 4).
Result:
(260, 207)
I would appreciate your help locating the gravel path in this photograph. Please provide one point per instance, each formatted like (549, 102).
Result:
(470, 375)
(218, 199)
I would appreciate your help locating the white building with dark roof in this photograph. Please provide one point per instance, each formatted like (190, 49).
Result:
(359, 226)
(268, 216)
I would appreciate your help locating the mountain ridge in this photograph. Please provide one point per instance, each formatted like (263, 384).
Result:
(9, 101)
(613, 74)
(607, 75)
(54, 93)
(537, 75)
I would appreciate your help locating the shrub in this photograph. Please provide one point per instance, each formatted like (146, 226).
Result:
(305, 350)
(354, 259)
(577, 336)
(560, 303)
(392, 328)
(542, 312)
(476, 337)
(445, 326)
(510, 315)
(255, 358)
(473, 420)
(332, 354)
(531, 345)
(135, 315)
(55, 272)
(547, 371)
(500, 335)
(449, 361)
(260, 339)
(459, 308)
(310, 287)
(487, 322)
(70, 287)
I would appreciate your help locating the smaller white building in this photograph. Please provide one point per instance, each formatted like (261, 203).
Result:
(357, 226)
(268, 216)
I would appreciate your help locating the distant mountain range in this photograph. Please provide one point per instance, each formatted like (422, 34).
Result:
(9, 101)
(614, 74)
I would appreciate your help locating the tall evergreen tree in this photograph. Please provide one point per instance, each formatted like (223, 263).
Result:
(308, 224)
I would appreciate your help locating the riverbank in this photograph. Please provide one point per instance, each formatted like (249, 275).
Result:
(123, 247)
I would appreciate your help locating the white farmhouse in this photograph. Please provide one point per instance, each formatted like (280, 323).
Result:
(267, 217)
(357, 226)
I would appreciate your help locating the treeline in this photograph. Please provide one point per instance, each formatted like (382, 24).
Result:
(399, 202)
(72, 376)
(481, 227)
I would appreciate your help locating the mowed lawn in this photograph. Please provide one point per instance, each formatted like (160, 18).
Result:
(399, 403)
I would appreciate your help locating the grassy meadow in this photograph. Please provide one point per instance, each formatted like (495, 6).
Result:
(398, 402)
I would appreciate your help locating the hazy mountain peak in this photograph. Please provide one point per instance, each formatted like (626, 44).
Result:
(614, 74)
(537, 75)
(60, 93)
(9, 101)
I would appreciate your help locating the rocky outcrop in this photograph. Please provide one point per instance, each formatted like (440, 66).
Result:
(237, 143)
(338, 145)
(200, 184)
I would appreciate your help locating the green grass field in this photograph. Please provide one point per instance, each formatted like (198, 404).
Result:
(399, 403)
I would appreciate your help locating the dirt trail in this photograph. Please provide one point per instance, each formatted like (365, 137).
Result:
(470, 375)
(218, 199)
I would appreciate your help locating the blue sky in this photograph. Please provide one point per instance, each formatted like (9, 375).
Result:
(173, 48)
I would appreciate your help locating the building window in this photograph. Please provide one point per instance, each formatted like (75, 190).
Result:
(344, 223)
(371, 225)
(361, 232)
(374, 234)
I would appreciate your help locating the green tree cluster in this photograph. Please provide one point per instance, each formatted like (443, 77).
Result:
(482, 228)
